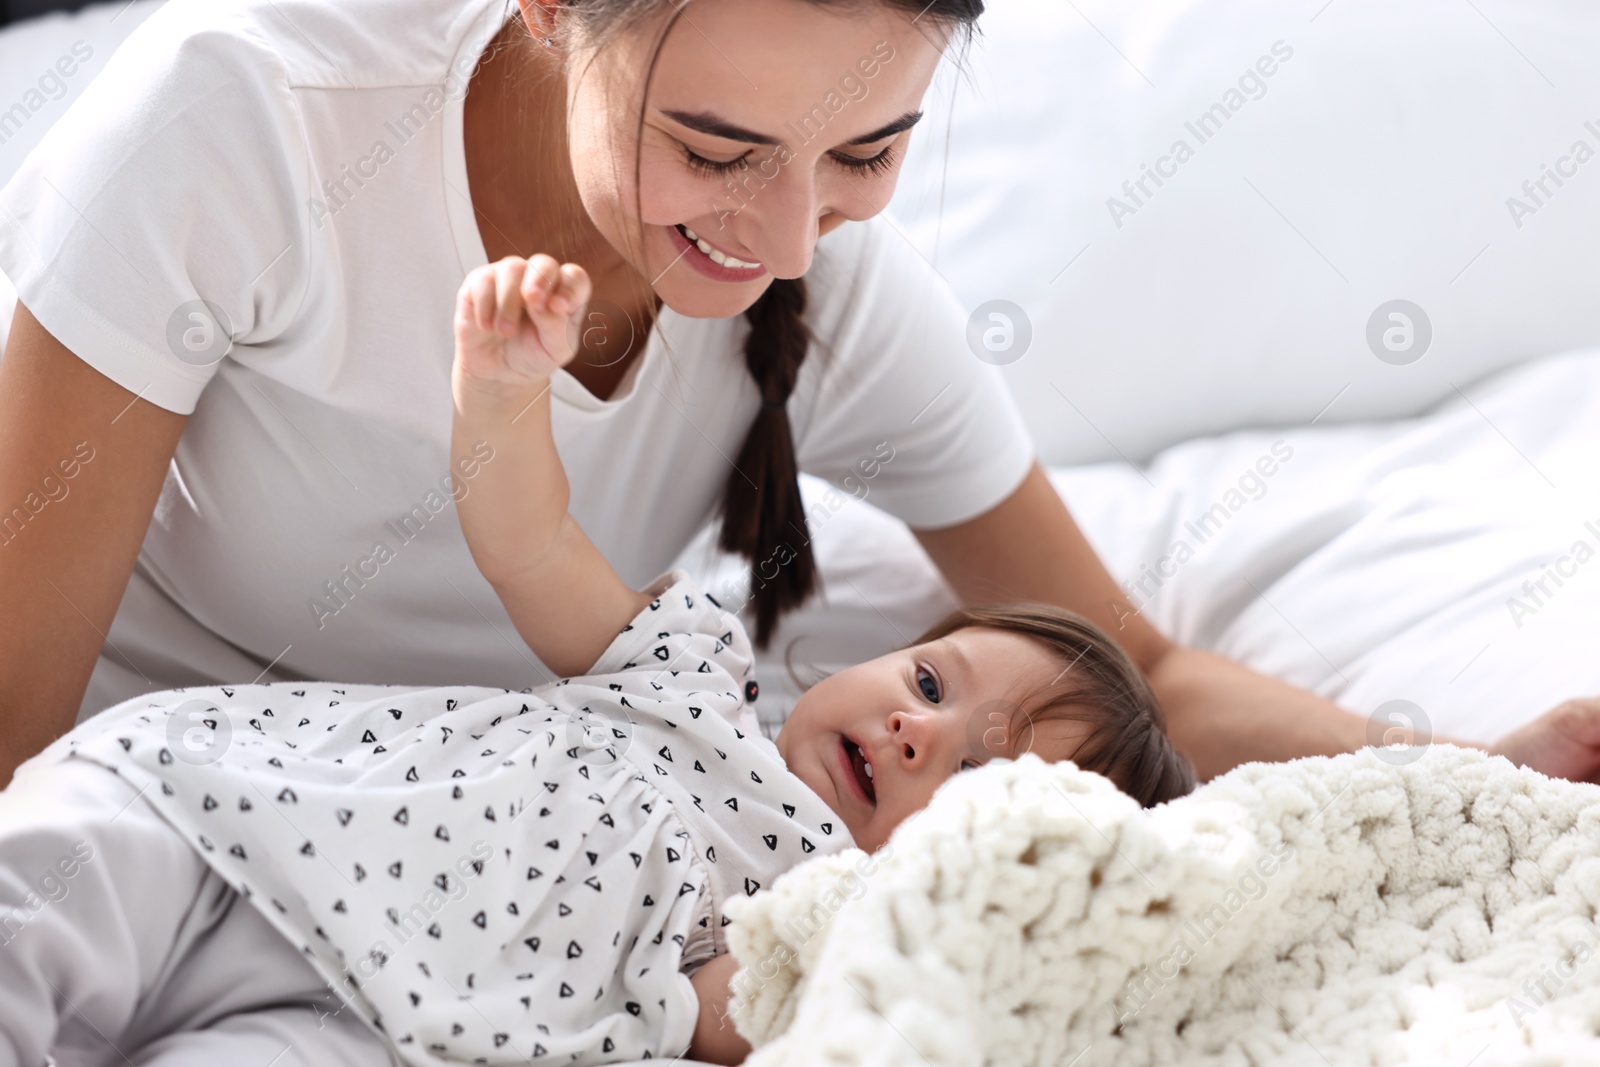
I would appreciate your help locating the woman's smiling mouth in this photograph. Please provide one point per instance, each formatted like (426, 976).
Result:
(710, 260)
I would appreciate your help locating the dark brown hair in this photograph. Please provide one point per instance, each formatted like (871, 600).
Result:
(763, 517)
(1099, 686)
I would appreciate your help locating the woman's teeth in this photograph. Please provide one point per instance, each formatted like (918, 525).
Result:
(714, 255)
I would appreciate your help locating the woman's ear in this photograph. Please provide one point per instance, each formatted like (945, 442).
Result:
(540, 17)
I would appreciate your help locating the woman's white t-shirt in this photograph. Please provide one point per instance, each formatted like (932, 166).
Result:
(289, 176)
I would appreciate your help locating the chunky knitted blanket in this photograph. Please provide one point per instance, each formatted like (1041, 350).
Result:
(1423, 906)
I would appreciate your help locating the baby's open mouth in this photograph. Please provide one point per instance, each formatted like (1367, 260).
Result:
(861, 768)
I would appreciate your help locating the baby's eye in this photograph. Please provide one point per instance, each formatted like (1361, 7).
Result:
(929, 685)
(970, 765)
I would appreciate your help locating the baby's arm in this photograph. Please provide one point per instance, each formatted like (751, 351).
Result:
(512, 334)
(715, 1040)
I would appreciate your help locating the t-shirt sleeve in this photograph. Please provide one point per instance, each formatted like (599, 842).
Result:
(160, 222)
(892, 405)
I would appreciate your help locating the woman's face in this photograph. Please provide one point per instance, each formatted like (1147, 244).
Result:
(767, 124)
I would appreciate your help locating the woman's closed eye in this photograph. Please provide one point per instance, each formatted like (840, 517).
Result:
(710, 168)
(879, 164)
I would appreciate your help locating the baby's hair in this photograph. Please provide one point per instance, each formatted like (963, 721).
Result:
(1098, 685)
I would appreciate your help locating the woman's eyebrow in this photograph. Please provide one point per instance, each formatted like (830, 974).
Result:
(904, 122)
(714, 125)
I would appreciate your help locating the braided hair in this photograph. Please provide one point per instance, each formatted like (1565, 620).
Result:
(762, 514)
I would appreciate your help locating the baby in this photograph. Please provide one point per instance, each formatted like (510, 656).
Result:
(490, 876)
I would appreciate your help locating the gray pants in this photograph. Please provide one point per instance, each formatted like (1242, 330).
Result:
(118, 945)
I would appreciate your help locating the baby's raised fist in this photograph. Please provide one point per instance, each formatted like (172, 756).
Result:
(515, 319)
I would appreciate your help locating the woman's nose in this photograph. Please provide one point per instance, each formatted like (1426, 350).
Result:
(786, 213)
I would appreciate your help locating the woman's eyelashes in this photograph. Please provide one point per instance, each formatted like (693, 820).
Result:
(710, 168)
(881, 163)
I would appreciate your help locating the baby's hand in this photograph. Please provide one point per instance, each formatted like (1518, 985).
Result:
(514, 319)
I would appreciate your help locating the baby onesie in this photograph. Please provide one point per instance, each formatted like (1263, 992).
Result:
(486, 875)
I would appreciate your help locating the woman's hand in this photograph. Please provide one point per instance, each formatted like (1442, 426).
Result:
(1564, 742)
(516, 320)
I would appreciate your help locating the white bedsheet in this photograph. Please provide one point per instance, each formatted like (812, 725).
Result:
(1379, 562)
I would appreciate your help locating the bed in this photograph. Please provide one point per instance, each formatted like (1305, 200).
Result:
(1325, 396)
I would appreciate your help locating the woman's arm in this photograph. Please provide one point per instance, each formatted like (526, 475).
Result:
(1219, 714)
(82, 461)
(512, 334)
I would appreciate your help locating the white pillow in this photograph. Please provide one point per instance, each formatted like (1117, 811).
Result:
(47, 61)
(1367, 563)
(44, 64)
(1375, 165)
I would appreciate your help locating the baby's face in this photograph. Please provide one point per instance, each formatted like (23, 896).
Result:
(875, 741)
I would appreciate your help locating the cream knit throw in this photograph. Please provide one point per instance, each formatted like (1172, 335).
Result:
(1398, 907)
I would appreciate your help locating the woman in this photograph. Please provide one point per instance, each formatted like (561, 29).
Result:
(229, 369)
